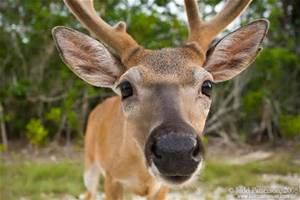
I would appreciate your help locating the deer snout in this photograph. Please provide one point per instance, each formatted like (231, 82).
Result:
(175, 152)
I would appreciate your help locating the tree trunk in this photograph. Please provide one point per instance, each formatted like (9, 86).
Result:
(3, 128)
(60, 129)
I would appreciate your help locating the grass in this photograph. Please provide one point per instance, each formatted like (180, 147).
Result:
(34, 179)
(223, 174)
(37, 179)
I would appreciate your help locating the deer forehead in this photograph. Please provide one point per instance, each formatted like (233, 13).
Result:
(170, 65)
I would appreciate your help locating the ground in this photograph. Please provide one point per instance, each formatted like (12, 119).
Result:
(231, 170)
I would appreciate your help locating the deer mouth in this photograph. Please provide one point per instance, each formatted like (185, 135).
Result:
(176, 179)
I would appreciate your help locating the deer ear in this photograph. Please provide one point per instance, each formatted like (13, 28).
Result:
(87, 58)
(236, 51)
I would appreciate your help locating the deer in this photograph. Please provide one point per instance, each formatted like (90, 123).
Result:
(148, 138)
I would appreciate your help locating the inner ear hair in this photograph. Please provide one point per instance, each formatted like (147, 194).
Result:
(212, 46)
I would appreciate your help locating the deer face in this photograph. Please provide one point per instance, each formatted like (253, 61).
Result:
(165, 94)
(166, 99)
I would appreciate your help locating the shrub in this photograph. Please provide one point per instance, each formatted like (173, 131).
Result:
(290, 125)
(54, 115)
(36, 132)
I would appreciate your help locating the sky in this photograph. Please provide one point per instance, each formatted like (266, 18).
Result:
(178, 10)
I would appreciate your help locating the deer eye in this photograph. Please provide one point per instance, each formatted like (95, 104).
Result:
(206, 88)
(126, 89)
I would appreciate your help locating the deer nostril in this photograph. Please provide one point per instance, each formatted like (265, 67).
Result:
(155, 151)
(196, 154)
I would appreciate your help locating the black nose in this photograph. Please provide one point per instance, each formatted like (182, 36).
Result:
(181, 145)
(175, 151)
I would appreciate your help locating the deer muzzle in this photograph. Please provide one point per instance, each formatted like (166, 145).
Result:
(174, 152)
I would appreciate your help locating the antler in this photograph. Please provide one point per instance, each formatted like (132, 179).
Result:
(203, 32)
(115, 37)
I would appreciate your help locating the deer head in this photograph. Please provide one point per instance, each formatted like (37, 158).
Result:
(165, 94)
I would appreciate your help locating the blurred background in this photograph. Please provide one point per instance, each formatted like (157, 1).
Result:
(252, 134)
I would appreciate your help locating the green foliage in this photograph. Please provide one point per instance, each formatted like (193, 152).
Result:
(274, 62)
(36, 132)
(252, 101)
(5, 118)
(54, 115)
(290, 125)
(72, 119)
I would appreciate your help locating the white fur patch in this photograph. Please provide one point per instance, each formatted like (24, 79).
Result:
(130, 181)
(200, 73)
(134, 74)
(91, 178)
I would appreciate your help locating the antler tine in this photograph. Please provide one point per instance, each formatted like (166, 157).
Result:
(193, 14)
(204, 32)
(231, 11)
(115, 37)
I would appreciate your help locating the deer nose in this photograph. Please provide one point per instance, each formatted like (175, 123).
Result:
(184, 146)
(175, 153)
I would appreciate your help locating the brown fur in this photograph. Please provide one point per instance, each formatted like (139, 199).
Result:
(172, 65)
(98, 134)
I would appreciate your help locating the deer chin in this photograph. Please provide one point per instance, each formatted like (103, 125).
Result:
(176, 180)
